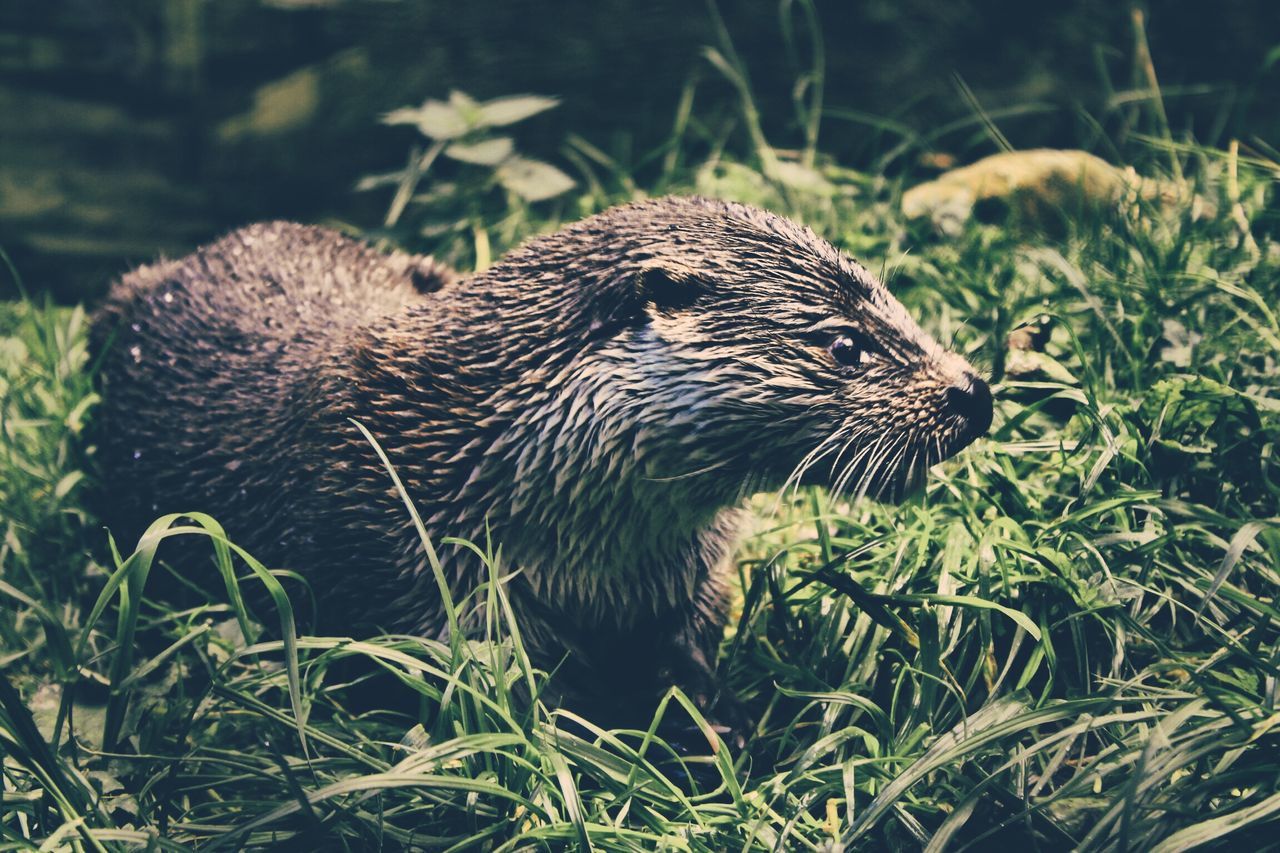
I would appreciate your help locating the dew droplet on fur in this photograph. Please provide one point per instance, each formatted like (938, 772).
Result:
(168, 297)
(137, 327)
(136, 352)
(137, 454)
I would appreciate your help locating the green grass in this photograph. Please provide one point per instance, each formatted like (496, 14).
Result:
(1071, 639)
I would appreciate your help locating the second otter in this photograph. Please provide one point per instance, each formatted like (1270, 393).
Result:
(599, 402)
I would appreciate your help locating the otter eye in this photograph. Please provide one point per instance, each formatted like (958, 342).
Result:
(846, 351)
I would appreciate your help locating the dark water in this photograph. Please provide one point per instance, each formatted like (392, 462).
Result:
(132, 128)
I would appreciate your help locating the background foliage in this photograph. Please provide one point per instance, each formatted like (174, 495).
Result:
(147, 126)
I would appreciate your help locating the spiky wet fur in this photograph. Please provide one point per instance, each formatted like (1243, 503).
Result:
(598, 402)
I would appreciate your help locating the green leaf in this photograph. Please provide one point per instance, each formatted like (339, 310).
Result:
(989, 724)
(1214, 828)
(1021, 619)
(533, 180)
(572, 801)
(67, 483)
(1235, 550)
(800, 177)
(1024, 364)
(514, 108)
(463, 103)
(490, 152)
(435, 119)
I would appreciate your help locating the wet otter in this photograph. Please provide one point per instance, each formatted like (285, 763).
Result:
(600, 402)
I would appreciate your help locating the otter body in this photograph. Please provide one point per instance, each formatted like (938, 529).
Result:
(597, 404)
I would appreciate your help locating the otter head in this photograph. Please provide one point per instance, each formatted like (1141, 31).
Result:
(751, 354)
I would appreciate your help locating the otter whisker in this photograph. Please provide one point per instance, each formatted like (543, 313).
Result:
(866, 467)
(876, 467)
(858, 464)
(797, 472)
(865, 473)
(838, 481)
(796, 477)
(873, 476)
(905, 464)
(896, 469)
(835, 464)
(916, 469)
(703, 470)
(824, 447)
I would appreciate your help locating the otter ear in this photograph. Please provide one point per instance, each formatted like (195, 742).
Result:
(631, 296)
(429, 275)
(667, 287)
(425, 273)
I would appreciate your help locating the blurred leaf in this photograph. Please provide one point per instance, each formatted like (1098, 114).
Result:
(463, 103)
(1024, 364)
(490, 152)
(533, 180)
(440, 229)
(509, 110)
(372, 182)
(13, 352)
(435, 119)
(67, 483)
(1178, 343)
(801, 177)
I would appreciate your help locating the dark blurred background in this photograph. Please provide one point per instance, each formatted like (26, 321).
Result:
(135, 127)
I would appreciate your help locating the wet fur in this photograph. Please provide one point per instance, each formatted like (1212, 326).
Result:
(600, 402)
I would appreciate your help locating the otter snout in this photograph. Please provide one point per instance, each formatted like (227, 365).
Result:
(970, 399)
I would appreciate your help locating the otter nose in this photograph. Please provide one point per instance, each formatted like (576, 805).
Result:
(971, 399)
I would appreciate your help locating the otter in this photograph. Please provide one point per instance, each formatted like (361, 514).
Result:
(599, 403)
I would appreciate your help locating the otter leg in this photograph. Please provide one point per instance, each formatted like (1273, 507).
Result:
(687, 659)
(687, 655)
(616, 675)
